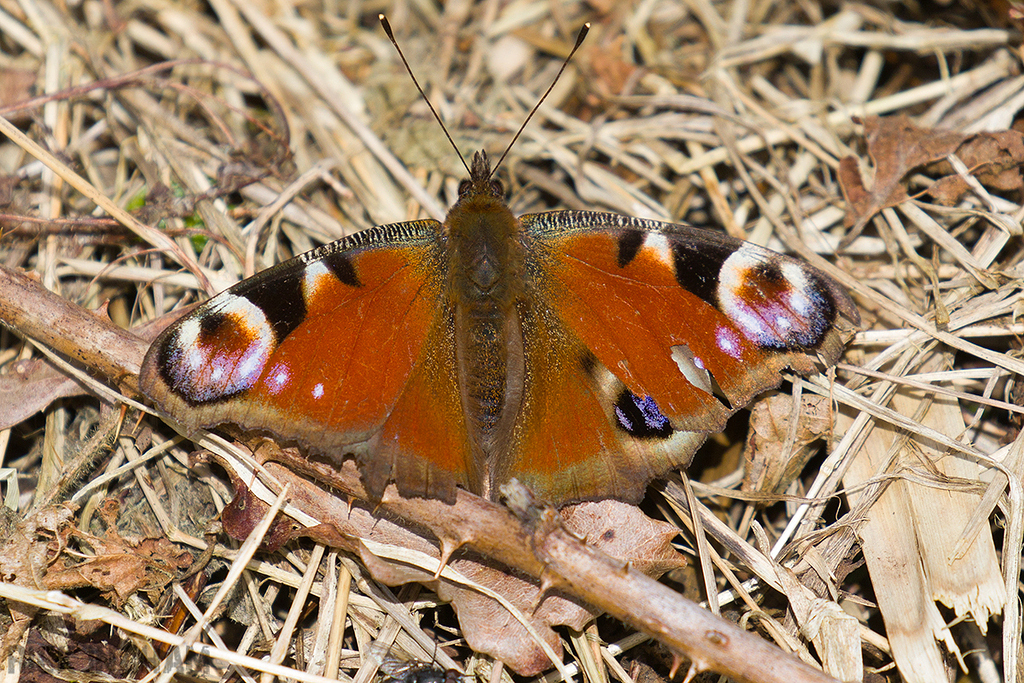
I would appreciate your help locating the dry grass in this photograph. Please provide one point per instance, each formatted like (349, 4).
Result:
(732, 115)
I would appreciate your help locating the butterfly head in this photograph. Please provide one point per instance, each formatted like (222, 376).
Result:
(479, 183)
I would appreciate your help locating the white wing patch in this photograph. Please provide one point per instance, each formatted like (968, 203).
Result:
(315, 276)
(203, 370)
(661, 247)
(771, 299)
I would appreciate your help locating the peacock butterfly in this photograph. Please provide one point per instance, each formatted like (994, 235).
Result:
(583, 353)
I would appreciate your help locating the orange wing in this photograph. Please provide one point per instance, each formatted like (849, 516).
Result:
(644, 337)
(344, 350)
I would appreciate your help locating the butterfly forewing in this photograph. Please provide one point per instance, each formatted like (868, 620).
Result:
(743, 312)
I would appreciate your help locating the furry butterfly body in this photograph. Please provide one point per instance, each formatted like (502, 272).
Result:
(582, 353)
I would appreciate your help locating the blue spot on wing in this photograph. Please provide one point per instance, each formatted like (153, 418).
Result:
(640, 417)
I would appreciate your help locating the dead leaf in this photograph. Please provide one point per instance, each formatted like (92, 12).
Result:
(29, 386)
(611, 72)
(857, 197)
(7, 185)
(58, 650)
(896, 147)
(16, 86)
(34, 556)
(993, 158)
(618, 529)
(243, 514)
(32, 545)
(120, 568)
(773, 457)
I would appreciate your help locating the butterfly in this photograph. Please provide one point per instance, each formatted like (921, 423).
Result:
(582, 353)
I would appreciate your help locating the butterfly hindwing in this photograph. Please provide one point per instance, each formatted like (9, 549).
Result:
(569, 443)
(345, 350)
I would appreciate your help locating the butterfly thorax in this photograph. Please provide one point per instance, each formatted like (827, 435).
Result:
(485, 271)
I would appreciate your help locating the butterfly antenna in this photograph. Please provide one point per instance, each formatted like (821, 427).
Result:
(579, 41)
(391, 36)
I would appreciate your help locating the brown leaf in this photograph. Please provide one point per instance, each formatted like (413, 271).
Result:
(610, 71)
(29, 386)
(32, 545)
(7, 185)
(993, 158)
(16, 85)
(244, 512)
(772, 459)
(858, 199)
(623, 531)
(119, 567)
(896, 147)
(488, 626)
(619, 529)
(59, 651)
(947, 191)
